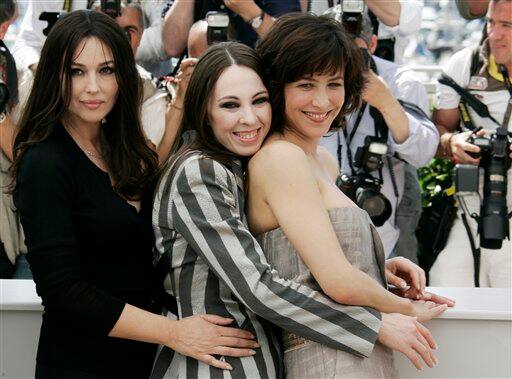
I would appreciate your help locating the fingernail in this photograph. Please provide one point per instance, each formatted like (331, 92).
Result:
(229, 367)
(404, 285)
(253, 352)
(436, 360)
(417, 296)
(256, 345)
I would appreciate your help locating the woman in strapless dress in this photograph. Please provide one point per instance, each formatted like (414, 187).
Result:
(310, 231)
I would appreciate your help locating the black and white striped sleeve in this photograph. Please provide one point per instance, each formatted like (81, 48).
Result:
(205, 212)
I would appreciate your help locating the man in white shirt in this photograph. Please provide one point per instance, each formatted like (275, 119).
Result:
(410, 135)
(398, 19)
(454, 266)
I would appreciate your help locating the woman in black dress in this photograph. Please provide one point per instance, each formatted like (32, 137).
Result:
(84, 176)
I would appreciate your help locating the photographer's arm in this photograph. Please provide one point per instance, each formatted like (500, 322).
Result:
(247, 9)
(452, 143)
(177, 23)
(378, 95)
(174, 112)
(386, 11)
(8, 130)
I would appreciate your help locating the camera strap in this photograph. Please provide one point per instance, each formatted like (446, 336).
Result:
(506, 118)
(475, 251)
(348, 138)
(67, 5)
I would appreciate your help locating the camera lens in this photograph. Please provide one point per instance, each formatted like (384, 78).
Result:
(375, 204)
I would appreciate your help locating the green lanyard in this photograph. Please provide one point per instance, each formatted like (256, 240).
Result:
(67, 5)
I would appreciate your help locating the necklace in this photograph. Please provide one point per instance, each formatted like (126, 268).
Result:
(88, 152)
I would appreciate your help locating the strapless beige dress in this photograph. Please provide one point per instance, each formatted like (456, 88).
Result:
(362, 246)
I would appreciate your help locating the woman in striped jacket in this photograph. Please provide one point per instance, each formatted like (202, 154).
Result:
(215, 265)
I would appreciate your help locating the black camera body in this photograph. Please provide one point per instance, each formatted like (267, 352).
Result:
(352, 16)
(493, 221)
(111, 8)
(218, 24)
(51, 18)
(362, 187)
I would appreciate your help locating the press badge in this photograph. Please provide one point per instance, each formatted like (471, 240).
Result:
(478, 83)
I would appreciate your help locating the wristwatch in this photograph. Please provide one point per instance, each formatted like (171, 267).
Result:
(257, 21)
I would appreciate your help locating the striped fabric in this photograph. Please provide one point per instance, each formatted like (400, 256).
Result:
(217, 267)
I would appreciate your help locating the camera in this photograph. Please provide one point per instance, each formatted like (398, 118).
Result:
(362, 187)
(111, 7)
(218, 23)
(493, 221)
(352, 16)
(51, 18)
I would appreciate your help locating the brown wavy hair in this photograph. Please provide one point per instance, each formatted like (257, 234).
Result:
(132, 163)
(301, 45)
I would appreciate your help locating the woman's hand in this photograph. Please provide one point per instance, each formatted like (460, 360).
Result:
(406, 276)
(427, 310)
(409, 280)
(406, 335)
(203, 336)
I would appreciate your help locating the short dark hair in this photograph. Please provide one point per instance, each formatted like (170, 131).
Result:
(301, 45)
(132, 162)
(214, 61)
(7, 9)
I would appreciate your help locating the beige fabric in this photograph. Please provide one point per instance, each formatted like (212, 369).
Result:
(11, 233)
(363, 248)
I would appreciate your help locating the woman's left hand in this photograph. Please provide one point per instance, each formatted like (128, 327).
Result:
(410, 280)
(406, 276)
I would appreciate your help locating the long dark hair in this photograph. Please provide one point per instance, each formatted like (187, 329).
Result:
(299, 45)
(132, 163)
(210, 66)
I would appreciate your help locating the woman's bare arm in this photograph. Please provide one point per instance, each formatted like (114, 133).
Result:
(290, 189)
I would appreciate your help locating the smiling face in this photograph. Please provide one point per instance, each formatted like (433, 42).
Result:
(239, 111)
(499, 30)
(312, 103)
(94, 86)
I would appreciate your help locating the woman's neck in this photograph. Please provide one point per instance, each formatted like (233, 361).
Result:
(87, 132)
(309, 145)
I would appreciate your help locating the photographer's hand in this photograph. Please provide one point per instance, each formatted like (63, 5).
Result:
(248, 9)
(459, 146)
(378, 95)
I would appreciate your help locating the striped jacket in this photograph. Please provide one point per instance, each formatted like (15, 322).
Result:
(217, 267)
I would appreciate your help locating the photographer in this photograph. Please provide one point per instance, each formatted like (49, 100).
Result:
(248, 19)
(394, 22)
(12, 248)
(483, 71)
(31, 38)
(409, 135)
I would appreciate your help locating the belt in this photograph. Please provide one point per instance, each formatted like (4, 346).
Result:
(292, 341)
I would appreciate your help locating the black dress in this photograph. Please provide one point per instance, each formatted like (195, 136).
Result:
(90, 253)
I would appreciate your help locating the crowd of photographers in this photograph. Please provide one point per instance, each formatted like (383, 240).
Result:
(382, 144)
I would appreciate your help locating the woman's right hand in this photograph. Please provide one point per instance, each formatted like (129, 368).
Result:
(427, 310)
(408, 336)
(203, 336)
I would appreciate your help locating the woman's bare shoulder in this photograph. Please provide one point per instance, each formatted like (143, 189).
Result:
(329, 162)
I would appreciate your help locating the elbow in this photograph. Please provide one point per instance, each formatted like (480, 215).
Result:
(171, 50)
(344, 293)
(173, 45)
